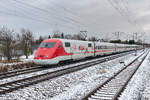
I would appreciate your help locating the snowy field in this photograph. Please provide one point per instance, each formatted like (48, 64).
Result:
(7, 66)
(22, 59)
(146, 93)
(30, 58)
(76, 85)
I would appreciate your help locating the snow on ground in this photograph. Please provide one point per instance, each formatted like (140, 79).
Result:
(13, 65)
(71, 86)
(30, 58)
(146, 93)
(22, 59)
(136, 85)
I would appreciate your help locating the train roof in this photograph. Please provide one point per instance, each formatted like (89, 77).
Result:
(102, 43)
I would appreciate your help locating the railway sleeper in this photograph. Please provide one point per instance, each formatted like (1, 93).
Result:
(109, 93)
(104, 95)
(3, 88)
(113, 85)
(101, 98)
(110, 88)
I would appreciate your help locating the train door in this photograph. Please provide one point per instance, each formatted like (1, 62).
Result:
(94, 48)
(115, 45)
(75, 50)
(71, 50)
(89, 49)
(68, 49)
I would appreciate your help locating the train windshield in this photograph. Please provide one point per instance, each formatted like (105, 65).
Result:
(47, 44)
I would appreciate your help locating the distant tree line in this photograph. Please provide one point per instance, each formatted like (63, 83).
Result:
(78, 36)
(126, 42)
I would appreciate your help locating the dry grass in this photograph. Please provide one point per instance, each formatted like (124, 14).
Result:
(10, 61)
(7, 68)
(3, 69)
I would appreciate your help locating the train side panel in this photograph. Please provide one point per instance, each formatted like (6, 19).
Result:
(80, 49)
(104, 48)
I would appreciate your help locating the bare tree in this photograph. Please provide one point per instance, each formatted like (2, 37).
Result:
(78, 37)
(18, 51)
(62, 35)
(57, 34)
(7, 41)
(27, 41)
(0, 51)
(39, 40)
(49, 37)
(68, 36)
(93, 38)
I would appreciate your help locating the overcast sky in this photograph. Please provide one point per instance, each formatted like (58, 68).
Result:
(99, 17)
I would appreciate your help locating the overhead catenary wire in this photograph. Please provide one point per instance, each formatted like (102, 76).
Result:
(75, 18)
(30, 18)
(49, 22)
(130, 13)
(62, 18)
(62, 8)
(124, 11)
(35, 10)
(26, 15)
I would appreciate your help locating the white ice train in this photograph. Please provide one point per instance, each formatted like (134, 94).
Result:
(53, 51)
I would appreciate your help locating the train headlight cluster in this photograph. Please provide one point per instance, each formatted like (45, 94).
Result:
(45, 56)
(35, 56)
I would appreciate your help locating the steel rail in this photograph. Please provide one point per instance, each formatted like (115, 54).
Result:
(112, 96)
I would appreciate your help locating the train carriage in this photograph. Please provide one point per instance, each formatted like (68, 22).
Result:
(104, 48)
(53, 51)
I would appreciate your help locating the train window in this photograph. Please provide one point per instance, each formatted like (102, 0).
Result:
(89, 45)
(67, 44)
(47, 44)
(96, 47)
(99, 47)
(103, 47)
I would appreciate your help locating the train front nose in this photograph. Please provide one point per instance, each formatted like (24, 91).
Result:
(44, 53)
(45, 57)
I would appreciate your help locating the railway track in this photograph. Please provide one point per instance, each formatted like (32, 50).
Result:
(14, 85)
(36, 69)
(112, 88)
(21, 71)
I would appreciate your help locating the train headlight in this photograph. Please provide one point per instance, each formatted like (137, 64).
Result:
(45, 56)
(35, 56)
